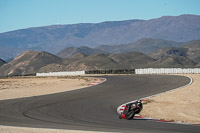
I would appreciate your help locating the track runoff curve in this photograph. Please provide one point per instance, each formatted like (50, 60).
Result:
(94, 108)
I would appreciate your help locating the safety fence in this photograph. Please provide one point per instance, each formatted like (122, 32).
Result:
(61, 73)
(127, 71)
(121, 71)
(168, 71)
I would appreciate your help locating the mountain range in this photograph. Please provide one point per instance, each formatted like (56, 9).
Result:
(155, 48)
(144, 45)
(54, 38)
(84, 58)
(67, 52)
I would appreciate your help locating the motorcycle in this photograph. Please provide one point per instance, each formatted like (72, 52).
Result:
(131, 109)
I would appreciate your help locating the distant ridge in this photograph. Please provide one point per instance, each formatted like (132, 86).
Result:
(174, 61)
(144, 45)
(31, 62)
(2, 62)
(189, 50)
(57, 37)
(67, 52)
(28, 63)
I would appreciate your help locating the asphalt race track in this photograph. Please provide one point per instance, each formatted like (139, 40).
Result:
(94, 108)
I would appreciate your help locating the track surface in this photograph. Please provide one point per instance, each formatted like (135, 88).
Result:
(93, 108)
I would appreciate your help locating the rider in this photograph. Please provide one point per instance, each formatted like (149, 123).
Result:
(136, 106)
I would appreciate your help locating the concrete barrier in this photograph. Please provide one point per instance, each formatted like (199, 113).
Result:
(168, 71)
(61, 73)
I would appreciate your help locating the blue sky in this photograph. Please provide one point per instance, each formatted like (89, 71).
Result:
(19, 14)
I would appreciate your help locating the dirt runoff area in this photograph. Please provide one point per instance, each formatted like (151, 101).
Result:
(18, 87)
(181, 105)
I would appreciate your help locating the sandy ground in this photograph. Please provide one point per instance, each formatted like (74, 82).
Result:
(32, 86)
(181, 105)
(9, 129)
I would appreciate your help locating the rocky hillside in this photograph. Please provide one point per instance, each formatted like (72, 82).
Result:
(93, 62)
(174, 61)
(171, 51)
(29, 62)
(67, 52)
(190, 50)
(57, 37)
(132, 60)
(2, 62)
(112, 61)
(193, 50)
(144, 45)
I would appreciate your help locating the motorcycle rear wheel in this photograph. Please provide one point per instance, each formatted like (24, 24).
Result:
(130, 115)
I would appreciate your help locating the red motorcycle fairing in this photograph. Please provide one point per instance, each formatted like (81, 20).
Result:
(123, 116)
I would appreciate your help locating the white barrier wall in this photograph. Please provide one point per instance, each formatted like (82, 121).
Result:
(168, 71)
(61, 73)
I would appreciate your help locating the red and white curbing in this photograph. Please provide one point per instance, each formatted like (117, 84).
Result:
(121, 108)
(99, 81)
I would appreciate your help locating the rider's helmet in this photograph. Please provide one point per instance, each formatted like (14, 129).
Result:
(139, 103)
